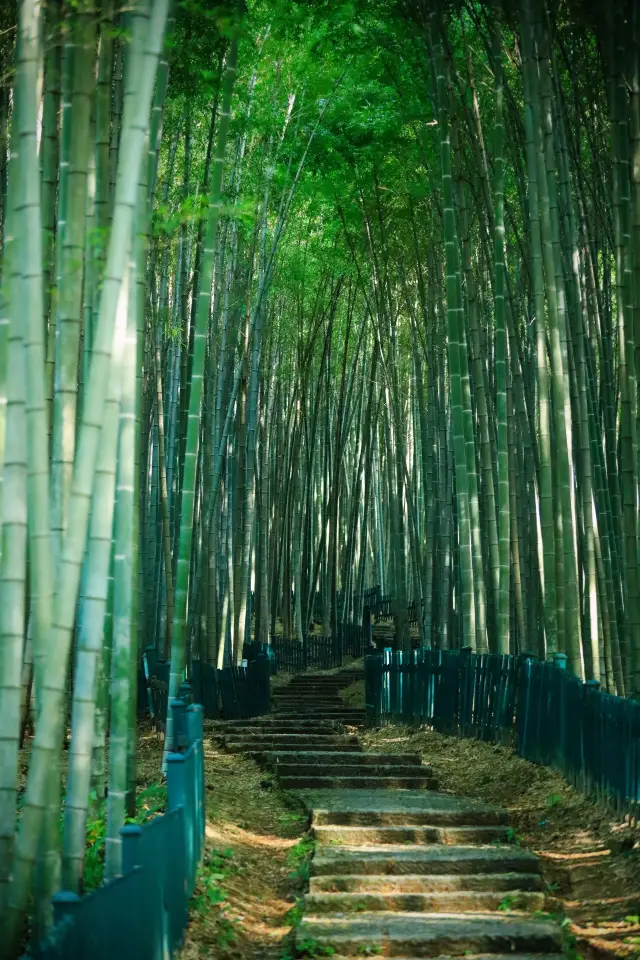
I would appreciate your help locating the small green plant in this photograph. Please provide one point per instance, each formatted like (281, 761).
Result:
(311, 948)
(298, 858)
(289, 818)
(226, 934)
(294, 915)
(632, 918)
(214, 870)
(94, 852)
(514, 837)
(568, 938)
(301, 850)
(553, 800)
(150, 802)
(507, 903)
(369, 950)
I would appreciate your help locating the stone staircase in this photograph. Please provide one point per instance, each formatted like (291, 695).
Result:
(317, 696)
(400, 870)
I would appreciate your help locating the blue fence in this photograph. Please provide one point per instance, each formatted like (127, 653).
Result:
(230, 693)
(314, 652)
(548, 715)
(143, 913)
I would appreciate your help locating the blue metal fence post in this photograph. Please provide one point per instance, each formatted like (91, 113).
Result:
(177, 797)
(65, 904)
(180, 734)
(131, 836)
(194, 721)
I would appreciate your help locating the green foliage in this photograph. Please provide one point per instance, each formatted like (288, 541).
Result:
(288, 819)
(94, 852)
(512, 901)
(311, 948)
(214, 869)
(150, 803)
(298, 859)
(294, 915)
(514, 837)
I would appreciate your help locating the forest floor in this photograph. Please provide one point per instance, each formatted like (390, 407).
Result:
(590, 857)
(255, 865)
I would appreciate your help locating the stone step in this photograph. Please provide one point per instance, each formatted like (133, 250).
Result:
(419, 935)
(456, 901)
(310, 697)
(263, 745)
(273, 722)
(483, 956)
(286, 703)
(339, 719)
(363, 759)
(345, 768)
(300, 740)
(320, 782)
(449, 812)
(436, 860)
(322, 714)
(366, 836)
(410, 883)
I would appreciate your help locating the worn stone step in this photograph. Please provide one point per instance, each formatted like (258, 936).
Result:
(329, 713)
(357, 783)
(411, 834)
(265, 746)
(301, 740)
(456, 901)
(312, 727)
(483, 956)
(410, 883)
(441, 811)
(309, 699)
(419, 935)
(362, 760)
(347, 720)
(345, 768)
(437, 860)
(284, 703)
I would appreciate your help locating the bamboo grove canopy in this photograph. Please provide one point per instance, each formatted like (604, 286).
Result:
(297, 298)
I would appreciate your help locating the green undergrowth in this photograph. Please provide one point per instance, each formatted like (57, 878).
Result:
(298, 859)
(150, 802)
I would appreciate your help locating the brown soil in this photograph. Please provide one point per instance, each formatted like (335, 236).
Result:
(254, 866)
(590, 857)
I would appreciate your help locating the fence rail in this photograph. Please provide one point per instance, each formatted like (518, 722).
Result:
(143, 913)
(231, 693)
(241, 692)
(314, 652)
(548, 715)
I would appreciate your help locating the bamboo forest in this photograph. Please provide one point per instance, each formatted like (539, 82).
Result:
(299, 298)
